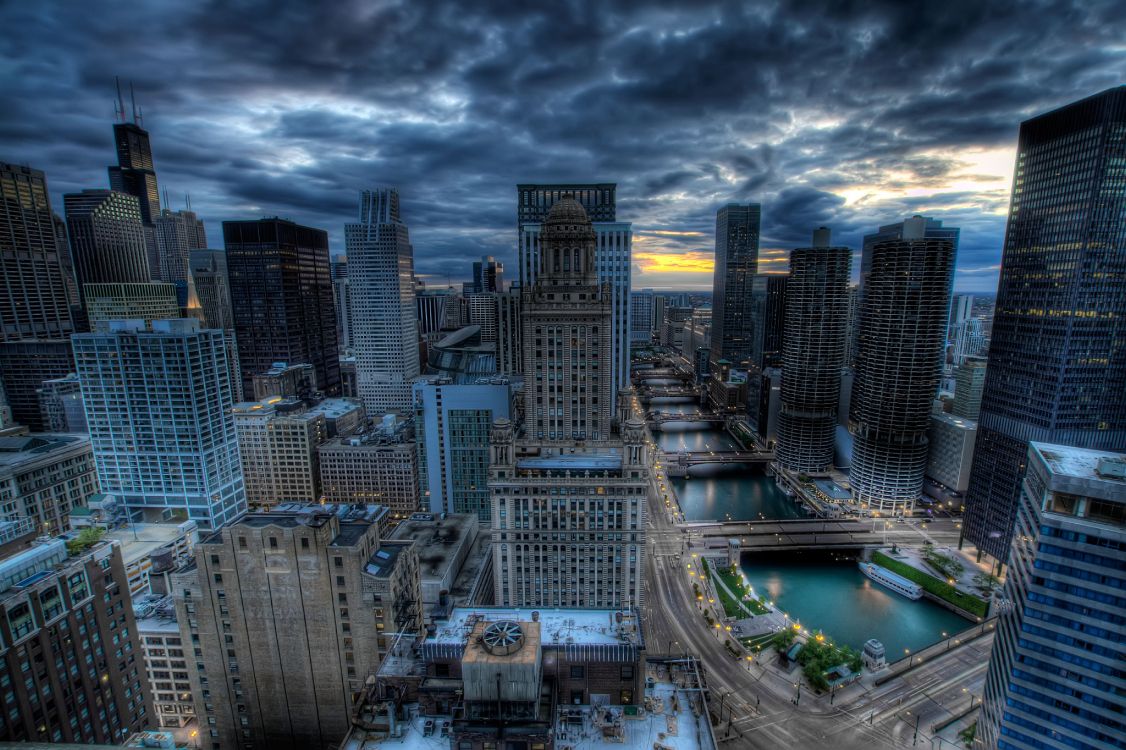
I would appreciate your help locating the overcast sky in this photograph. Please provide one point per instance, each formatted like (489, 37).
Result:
(847, 114)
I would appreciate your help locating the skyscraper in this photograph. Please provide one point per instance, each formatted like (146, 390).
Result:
(178, 233)
(1057, 362)
(158, 407)
(813, 344)
(24, 366)
(107, 238)
(903, 321)
(641, 316)
(281, 297)
(510, 348)
(768, 316)
(613, 249)
(135, 175)
(33, 290)
(381, 300)
(736, 262)
(1055, 673)
(969, 384)
(147, 302)
(209, 274)
(488, 275)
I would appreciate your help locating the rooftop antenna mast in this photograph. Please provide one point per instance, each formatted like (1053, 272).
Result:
(188, 201)
(133, 102)
(119, 109)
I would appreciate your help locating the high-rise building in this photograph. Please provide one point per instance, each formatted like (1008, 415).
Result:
(916, 226)
(178, 233)
(736, 262)
(24, 366)
(107, 238)
(376, 466)
(950, 452)
(641, 316)
(62, 243)
(209, 275)
(1057, 364)
(452, 424)
(510, 352)
(816, 320)
(68, 613)
(853, 335)
(33, 289)
(903, 321)
(483, 312)
(285, 380)
(158, 405)
(135, 175)
(383, 316)
(768, 319)
(968, 340)
(969, 384)
(292, 611)
(1054, 677)
(44, 477)
(147, 302)
(546, 552)
(60, 405)
(613, 249)
(488, 275)
(281, 297)
(165, 654)
(431, 307)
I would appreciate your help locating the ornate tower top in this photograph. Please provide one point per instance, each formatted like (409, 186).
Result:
(567, 243)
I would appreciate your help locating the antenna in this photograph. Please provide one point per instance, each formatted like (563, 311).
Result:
(120, 110)
(188, 201)
(133, 102)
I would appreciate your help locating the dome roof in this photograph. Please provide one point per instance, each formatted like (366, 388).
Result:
(567, 210)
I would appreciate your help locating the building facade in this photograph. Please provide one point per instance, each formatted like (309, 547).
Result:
(813, 351)
(768, 319)
(291, 611)
(24, 366)
(281, 298)
(158, 405)
(488, 276)
(147, 302)
(951, 449)
(1057, 367)
(45, 477)
(372, 467)
(277, 441)
(736, 263)
(510, 339)
(641, 316)
(903, 321)
(60, 405)
(381, 294)
(33, 290)
(107, 238)
(969, 385)
(1054, 677)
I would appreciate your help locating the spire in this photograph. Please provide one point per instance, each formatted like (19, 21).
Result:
(119, 110)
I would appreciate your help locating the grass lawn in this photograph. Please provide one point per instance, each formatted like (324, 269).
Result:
(936, 586)
(735, 582)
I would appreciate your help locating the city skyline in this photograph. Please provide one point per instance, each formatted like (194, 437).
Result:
(841, 146)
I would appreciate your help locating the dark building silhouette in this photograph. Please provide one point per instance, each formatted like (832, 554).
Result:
(768, 305)
(24, 365)
(816, 320)
(281, 297)
(107, 239)
(1057, 354)
(33, 288)
(736, 261)
(488, 275)
(597, 199)
(136, 176)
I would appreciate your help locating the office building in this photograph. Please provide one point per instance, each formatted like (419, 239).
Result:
(483, 313)
(641, 316)
(379, 465)
(673, 327)
(209, 276)
(287, 381)
(510, 342)
(452, 426)
(431, 310)
(158, 405)
(488, 276)
(178, 233)
(613, 248)
(68, 613)
(60, 405)
(951, 449)
(1056, 371)
(135, 175)
(462, 356)
(45, 477)
(281, 297)
(292, 610)
(906, 291)
(33, 265)
(145, 302)
(969, 340)
(166, 659)
(697, 332)
(24, 366)
(107, 239)
(736, 263)
(969, 384)
(768, 316)
(383, 315)
(816, 322)
(1055, 672)
(916, 226)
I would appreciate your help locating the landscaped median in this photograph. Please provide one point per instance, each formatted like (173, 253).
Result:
(932, 585)
(734, 606)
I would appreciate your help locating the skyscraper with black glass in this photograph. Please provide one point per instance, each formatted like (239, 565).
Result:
(281, 297)
(736, 261)
(1057, 355)
(136, 175)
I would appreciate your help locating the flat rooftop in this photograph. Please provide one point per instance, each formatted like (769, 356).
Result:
(573, 462)
(155, 614)
(334, 408)
(832, 489)
(439, 539)
(558, 627)
(26, 448)
(142, 539)
(383, 560)
(1079, 463)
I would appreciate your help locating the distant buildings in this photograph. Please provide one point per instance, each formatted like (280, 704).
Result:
(903, 323)
(34, 266)
(510, 344)
(488, 276)
(287, 380)
(813, 344)
(378, 466)
(45, 477)
(178, 233)
(292, 611)
(1060, 615)
(158, 405)
(281, 297)
(60, 405)
(209, 274)
(383, 318)
(107, 239)
(736, 262)
(641, 316)
(1056, 371)
(69, 614)
(147, 302)
(24, 366)
(135, 175)
(969, 379)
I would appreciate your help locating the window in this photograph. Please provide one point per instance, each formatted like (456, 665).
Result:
(578, 672)
(577, 697)
(304, 543)
(242, 542)
(627, 672)
(273, 542)
(338, 562)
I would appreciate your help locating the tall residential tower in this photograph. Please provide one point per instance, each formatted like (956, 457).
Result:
(736, 262)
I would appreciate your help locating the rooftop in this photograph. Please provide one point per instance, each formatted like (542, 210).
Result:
(950, 419)
(558, 627)
(141, 539)
(155, 614)
(573, 462)
(383, 560)
(439, 539)
(1078, 463)
(26, 448)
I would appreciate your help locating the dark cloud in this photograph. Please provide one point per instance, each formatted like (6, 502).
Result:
(851, 113)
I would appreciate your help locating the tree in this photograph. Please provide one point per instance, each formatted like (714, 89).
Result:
(85, 539)
(968, 735)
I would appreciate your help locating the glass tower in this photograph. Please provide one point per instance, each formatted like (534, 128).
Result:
(736, 261)
(1057, 355)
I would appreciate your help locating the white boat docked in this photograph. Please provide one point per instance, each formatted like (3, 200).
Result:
(893, 581)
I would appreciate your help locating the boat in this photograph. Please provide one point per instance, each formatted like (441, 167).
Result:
(893, 581)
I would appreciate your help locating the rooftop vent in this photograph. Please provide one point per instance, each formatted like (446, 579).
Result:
(503, 638)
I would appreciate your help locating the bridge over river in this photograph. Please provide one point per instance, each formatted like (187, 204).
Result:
(799, 534)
